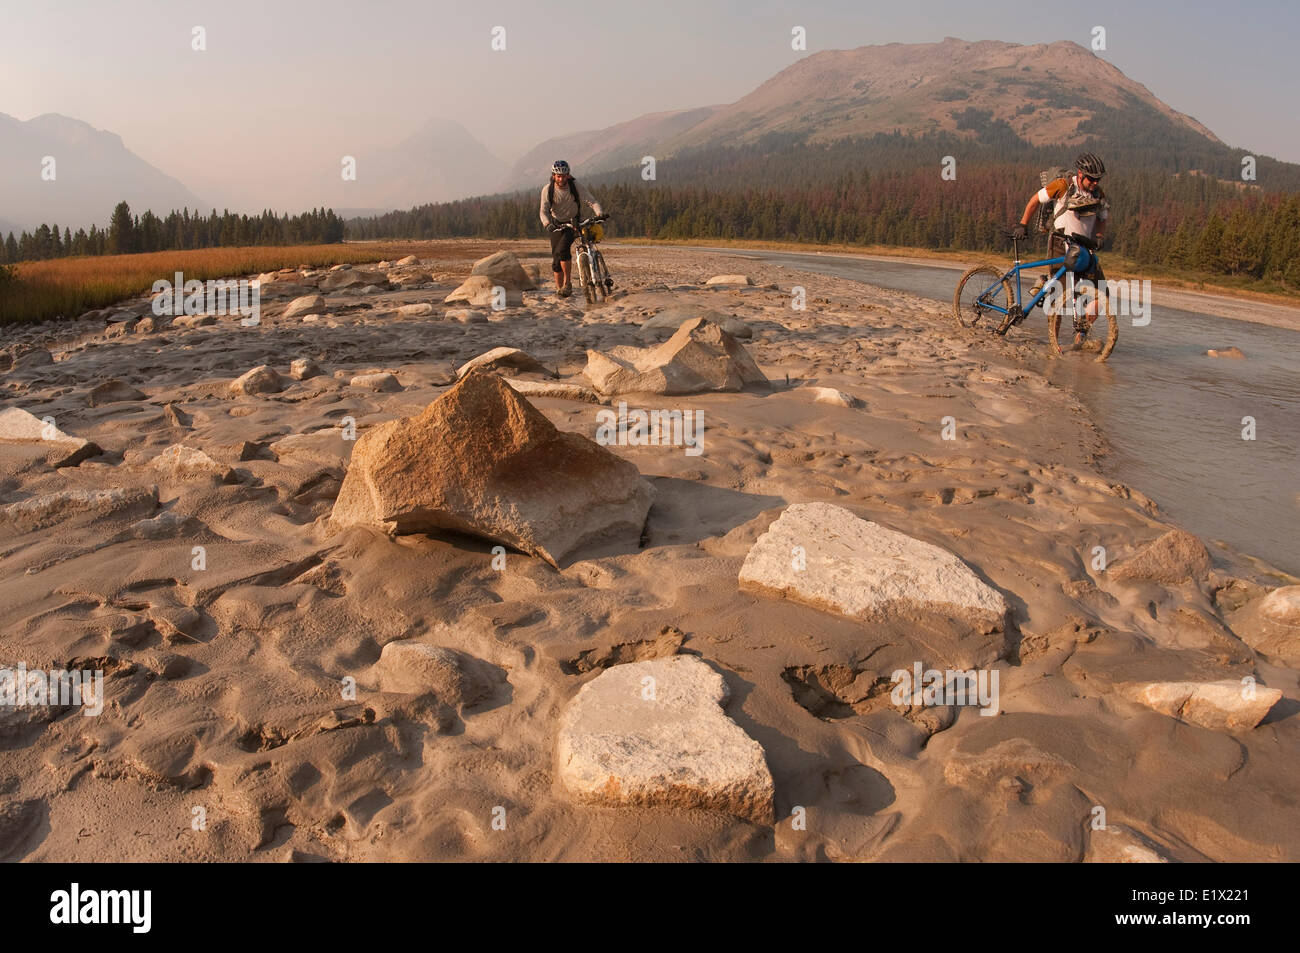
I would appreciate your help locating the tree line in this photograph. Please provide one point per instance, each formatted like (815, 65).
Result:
(127, 234)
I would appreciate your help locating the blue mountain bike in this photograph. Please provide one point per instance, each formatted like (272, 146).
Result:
(984, 296)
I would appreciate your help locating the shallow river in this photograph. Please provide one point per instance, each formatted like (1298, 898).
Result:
(1172, 415)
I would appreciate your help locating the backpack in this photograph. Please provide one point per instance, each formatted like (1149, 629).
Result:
(573, 187)
(1047, 213)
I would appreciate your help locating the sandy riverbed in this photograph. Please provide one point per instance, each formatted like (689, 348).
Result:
(223, 682)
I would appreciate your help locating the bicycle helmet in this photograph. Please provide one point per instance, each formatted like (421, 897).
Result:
(1090, 164)
(559, 166)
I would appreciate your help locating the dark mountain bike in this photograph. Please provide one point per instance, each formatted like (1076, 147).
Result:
(984, 297)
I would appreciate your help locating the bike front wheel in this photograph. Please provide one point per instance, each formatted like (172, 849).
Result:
(584, 275)
(979, 291)
(1104, 346)
(603, 279)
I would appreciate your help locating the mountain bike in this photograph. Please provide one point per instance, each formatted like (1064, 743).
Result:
(597, 284)
(983, 291)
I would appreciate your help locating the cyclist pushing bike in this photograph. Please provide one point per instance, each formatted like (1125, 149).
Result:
(561, 207)
(1079, 208)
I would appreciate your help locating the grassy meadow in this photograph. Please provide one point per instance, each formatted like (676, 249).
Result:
(69, 287)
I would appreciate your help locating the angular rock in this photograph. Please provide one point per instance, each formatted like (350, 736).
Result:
(861, 569)
(829, 395)
(151, 324)
(260, 380)
(404, 262)
(413, 668)
(500, 358)
(1222, 705)
(1174, 558)
(1116, 844)
(384, 382)
(25, 358)
(111, 392)
(191, 321)
(503, 269)
(181, 462)
(351, 278)
(177, 417)
(730, 280)
(304, 368)
(561, 389)
(62, 450)
(47, 509)
(1282, 605)
(482, 460)
(1015, 758)
(304, 305)
(700, 356)
(654, 734)
(477, 291)
(467, 316)
(666, 322)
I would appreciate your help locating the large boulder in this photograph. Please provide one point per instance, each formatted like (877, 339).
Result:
(700, 356)
(504, 269)
(1222, 705)
(824, 556)
(61, 450)
(482, 460)
(654, 734)
(1174, 558)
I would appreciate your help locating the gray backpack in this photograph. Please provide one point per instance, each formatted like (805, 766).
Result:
(1047, 211)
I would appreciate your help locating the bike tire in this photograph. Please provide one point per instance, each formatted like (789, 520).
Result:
(1112, 330)
(584, 275)
(964, 312)
(603, 277)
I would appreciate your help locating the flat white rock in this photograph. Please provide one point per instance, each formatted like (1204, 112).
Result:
(653, 734)
(859, 568)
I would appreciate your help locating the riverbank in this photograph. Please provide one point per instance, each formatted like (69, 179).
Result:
(227, 676)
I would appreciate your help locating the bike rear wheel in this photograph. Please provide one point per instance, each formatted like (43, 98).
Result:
(1107, 344)
(980, 287)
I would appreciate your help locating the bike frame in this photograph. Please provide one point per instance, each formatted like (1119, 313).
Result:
(1016, 268)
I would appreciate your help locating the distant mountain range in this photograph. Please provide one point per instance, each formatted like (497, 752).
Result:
(439, 162)
(1004, 98)
(93, 171)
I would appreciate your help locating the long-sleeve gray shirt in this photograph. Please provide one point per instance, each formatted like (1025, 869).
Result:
(565, 208)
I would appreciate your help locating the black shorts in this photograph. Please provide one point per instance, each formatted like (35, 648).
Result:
(561, 242)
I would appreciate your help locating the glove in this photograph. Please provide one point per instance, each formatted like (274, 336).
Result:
(1021, 231)
(552, 227)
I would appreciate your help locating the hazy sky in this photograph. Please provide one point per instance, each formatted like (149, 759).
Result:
(285, 88)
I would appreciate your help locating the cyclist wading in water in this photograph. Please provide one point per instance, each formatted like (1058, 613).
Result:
(561, 207)
(1079, 206)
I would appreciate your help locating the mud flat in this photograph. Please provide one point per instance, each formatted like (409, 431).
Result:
(309, 690)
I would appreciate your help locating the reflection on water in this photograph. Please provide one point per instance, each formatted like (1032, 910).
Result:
(1173, 416)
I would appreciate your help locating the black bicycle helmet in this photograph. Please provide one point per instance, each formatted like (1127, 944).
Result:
(559, 165)
(1090, 164)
